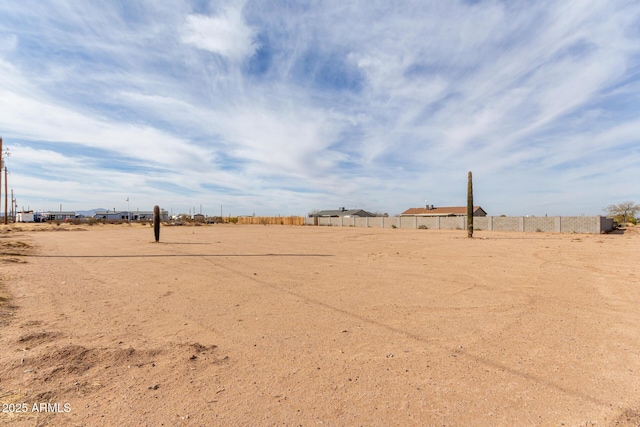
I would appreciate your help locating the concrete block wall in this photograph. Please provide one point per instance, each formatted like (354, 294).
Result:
(540, 223)
(389, 222)
(479, 223)
(361, 222)
(606, 224)
(408, 222)
(452, 222)
(429, 221)
(505, 223)
(579, 224)
(376, 221)
(565, 224)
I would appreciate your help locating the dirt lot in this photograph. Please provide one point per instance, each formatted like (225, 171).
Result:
(283, 325)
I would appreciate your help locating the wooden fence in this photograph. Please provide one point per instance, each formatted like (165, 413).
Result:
(280, 220)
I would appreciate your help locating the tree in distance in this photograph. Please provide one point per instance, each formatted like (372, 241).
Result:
(623, 212)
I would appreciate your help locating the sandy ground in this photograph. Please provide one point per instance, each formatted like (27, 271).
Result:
(283, 325)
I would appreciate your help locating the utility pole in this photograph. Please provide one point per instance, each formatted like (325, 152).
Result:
(6, 199)
(6, 186)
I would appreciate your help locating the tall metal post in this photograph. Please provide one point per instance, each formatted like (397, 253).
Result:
(6, 199)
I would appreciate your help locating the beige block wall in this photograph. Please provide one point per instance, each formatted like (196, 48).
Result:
(376, 221)
(579, 224)
(556, 224)
(408, 222)
(508, 223)
(389, 222)
(429, 221)
(480, 223)
(452, 222)
(535, 223)
(361, 222)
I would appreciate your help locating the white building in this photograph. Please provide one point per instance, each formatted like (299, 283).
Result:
(58, 216)
(25, 216)
(126, 215)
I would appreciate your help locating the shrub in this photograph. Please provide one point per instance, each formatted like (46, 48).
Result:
(92, 221)
(422, 227)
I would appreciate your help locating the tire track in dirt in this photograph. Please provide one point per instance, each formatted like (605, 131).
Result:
(419, 338)
(542, 256)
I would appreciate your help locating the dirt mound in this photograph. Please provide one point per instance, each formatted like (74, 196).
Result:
(628, 418)
(35, 338)
(6, 308)
(55, 375)
(15, 248)
(12, 261)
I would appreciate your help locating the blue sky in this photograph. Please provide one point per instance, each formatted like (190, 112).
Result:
(282, 107)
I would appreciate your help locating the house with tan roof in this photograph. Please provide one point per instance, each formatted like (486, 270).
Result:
(430, 210)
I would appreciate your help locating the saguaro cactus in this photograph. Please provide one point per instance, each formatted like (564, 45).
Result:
(470, 207)
(156, 222)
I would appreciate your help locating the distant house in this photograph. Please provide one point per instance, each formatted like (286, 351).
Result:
(430, 210)
(27, 216)
(58, 216)
(347, 213)
(124, 215)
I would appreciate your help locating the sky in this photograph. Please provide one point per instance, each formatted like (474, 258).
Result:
(283, 107)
